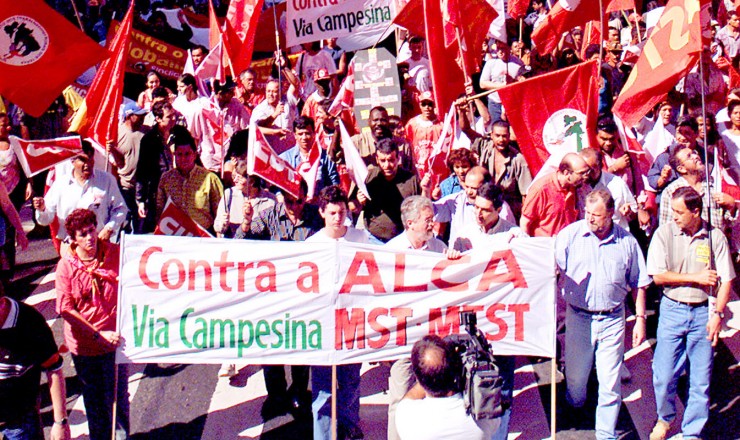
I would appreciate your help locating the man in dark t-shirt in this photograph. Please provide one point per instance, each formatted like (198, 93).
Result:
(27, 347)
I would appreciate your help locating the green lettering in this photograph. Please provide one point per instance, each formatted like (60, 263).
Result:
(242, 345)
(222, 324)
(261, 329)
(200, 337)
(163, 334)
(183, 322)
(314, 337)
(139, 327)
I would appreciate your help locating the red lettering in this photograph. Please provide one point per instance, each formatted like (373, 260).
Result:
(402, 314)
(180, 274)
(348, 330)
(308, 282)
(266, 282)
(385, 334)
(398, 283)
(208, 285)
(450, 324)
(355, 279)
(512, 275)
(242, 268)
(223, 265)
(518, 310)
(448, 285)
(142, 267)
(502, 325)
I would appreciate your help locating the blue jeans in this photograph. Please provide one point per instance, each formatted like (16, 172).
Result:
(96, 374)
(506, 365)
(682, 337)
(27, 428)
(348, 402)
(599, 337)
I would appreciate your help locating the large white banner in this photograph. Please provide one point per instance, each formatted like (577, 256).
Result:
(194, 300)
(357, 24)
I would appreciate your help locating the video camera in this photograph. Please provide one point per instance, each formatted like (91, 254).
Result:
(479, 379)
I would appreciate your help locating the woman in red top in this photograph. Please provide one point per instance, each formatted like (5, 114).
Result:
(87, 296)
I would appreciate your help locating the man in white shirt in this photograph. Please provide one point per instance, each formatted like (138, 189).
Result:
(274, 116)
(333, 209)
(433, 409)
(497, 73)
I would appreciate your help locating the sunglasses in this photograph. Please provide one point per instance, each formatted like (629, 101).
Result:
(426, 104)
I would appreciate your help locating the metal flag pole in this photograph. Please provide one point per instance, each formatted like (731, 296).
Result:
(278, 53)
(706, 164)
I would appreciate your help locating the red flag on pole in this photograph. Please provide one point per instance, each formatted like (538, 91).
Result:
(591, 35)
(553, 114)
(98, 116)
(448, 80)
(518, 8)
(175, 221)
(623, 5)
(240, 27)
(437, 162)
(671, 51)
(262, 161)
(41, 53)
(41, 155)
(466, 23)
(356, 167)
(564, 16)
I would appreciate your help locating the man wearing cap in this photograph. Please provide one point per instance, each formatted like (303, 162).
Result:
(230, 116)
(422, 131)
(126, 153)
(322, 80)
(311, 60)
(84, 187)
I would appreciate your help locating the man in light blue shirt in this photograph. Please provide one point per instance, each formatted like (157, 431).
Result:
(599, 263)
(327, 175)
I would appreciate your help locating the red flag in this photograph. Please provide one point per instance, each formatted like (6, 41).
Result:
(448, 80)
(175, 221)
(98, 116)
(345, 98)
(553, 113)
(41, 53)
(437, 161)
(466, 23)
(214, 30)
(38, 156)
(564, 16)
(623, 5)
(241, 25)
(262, 161)
(591, 35)
(668, 55)
(309, 169)
(518, 8)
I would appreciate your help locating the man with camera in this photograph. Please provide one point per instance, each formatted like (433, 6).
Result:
(434, 407)
(599, 263)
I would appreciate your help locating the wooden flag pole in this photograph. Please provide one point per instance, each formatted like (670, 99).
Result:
(115, 402)
(521, 30)
(333, 402)
(77, 15)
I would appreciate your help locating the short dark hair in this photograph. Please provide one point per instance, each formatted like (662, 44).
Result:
(201, 47)
(160, 92)
(386, 146)
(591, 50)
(303, 123)
(688, 121)
(180, 136)
(249, 70)
(691, 198)
(673, 160)
(607, 125)
(731, 105)
(78, 220)
(88, 148)
(188, 80)
(460, 156)
(332, 194)
(501, 123)
(435, 365)
(159, 107)
(493, 193)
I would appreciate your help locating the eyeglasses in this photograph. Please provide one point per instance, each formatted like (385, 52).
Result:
(426, 104)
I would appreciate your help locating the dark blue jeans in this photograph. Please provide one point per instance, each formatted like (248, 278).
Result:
(96, 374)
(27, 428)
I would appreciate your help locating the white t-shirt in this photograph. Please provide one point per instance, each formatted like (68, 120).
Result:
(308, 64)
(352, 235)
(442, 418)
(401, 242)
(496, 70)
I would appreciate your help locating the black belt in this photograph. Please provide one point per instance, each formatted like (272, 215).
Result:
(692, 305)
(596, 312)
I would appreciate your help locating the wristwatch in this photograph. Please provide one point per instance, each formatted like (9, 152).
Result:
(720, 314)
(63, 422)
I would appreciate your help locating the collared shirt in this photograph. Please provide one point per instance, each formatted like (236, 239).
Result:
(99, 194)
(450, 185)
(383, 210)
(549, 207)
(502, 232)
(672, 250)
(459, 211)
(665, 215)
(516, 178)
(274, 224)
(365, 143)
(198, 194)
(598, 274)
(327, 174)
(284, 120)
(401, 242)
(730, 42)
(129, 144)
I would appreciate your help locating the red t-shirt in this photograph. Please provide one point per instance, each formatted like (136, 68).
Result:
(74, 287)
(549, 207)
(422, 135)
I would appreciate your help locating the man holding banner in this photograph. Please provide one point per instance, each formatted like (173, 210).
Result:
(599, 264)
(333, 209)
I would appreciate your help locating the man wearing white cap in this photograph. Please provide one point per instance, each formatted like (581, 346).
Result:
(422, 132)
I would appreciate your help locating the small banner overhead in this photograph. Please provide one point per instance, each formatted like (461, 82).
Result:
(356, 23)
(376, 83)
(186, 300)
(146, 53)
(41, 155)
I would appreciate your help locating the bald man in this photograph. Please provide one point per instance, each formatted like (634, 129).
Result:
(550, 205)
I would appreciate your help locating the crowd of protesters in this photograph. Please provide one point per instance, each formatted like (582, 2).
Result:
(618, 229)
